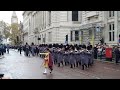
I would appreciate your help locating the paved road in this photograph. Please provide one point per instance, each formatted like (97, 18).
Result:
(22, 67)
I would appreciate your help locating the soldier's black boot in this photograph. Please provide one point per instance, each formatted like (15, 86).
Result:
(79, 63)
(82, 67)
(54, 61)
(68, 63)
(62, 63)
(51, 70)
(76, 64)
(65, 64)
(91, 64)
(58, 64)
(71, 66)
(86, 66)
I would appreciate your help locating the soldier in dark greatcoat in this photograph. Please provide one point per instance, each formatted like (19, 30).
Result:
(71, 58)
(27, 49)
(60, 57)
(84, 58)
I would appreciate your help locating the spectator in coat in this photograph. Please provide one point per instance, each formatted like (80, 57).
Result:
(95, 51)
(117, 54)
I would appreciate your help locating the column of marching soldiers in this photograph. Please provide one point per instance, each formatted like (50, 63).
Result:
(63, 55)
(70, 55)
(73, 56)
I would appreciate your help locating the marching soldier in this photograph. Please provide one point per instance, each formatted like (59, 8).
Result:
(20, 49)
(59, 57)
(66, 57)
(55, 56)
(27, 49)
(84, 58)
(76, 56)
(72, 59)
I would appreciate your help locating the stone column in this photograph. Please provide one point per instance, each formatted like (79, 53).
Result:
(80, 37)
(93, 36)
(116, 27)
(45, 18)
(105, 29)
(73, 36)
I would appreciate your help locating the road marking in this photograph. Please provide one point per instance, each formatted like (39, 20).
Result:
(90, 75)
(111, 69)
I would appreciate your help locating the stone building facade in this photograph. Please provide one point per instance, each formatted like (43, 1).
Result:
(77, 27)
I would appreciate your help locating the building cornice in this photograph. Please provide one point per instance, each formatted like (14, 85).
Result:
(33, 12)
(26, 12)
(23, 13)
(29, 12)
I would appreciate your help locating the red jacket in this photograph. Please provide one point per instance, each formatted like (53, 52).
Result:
(50, 60)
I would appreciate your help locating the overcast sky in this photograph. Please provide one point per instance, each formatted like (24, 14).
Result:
(6, 16)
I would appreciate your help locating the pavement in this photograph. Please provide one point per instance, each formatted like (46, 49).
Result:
(21, 67)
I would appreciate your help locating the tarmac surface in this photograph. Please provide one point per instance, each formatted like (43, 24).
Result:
(21, 67)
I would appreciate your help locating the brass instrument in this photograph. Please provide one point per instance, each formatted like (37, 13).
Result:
(43, 54)
(46, 59)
